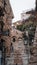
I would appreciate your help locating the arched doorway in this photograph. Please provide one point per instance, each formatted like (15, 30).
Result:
(2, 54)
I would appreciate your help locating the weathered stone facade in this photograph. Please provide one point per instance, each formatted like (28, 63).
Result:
(14, 50)
(6, 16)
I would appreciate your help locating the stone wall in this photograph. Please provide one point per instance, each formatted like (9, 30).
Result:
(6, 16)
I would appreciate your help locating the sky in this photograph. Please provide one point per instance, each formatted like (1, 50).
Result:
(18, 6)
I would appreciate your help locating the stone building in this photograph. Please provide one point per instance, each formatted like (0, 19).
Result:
(6, 16)
(12, 47)
(33, 58)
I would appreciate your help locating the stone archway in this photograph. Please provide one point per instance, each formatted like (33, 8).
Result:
(14, 38)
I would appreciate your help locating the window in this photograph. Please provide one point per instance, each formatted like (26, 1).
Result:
(6, 33)
(1, 25)
(14, 40)
(1, 11)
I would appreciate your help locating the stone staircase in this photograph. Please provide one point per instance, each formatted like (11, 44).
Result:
(23, 57)
(9, 60)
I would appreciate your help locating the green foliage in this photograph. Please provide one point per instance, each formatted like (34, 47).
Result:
(21, 27)
(30, 27)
